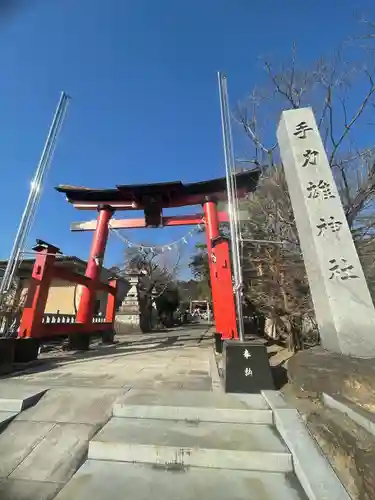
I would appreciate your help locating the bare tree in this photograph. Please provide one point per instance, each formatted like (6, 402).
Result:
(11, 307)
(341, 92)
(276, 283)
(158, 276)
(157, 266)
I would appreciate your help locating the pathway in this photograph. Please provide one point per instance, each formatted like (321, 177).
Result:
(43, 447)
(125, 421)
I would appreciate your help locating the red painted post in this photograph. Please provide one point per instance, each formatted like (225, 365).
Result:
(227, 301)
(37, 294)
(212, 231)
(220, 275)
(94, 265)
(111, 303)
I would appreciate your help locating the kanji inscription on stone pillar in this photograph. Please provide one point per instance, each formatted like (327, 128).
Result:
(343, 306)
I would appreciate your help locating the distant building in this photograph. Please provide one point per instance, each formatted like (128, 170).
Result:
(64, 296)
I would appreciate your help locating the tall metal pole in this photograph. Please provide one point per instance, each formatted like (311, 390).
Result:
(32, 203)
(232, 198)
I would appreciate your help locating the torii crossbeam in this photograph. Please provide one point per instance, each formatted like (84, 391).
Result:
(174, 220)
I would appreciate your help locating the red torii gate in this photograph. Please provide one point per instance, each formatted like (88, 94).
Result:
(152, 199)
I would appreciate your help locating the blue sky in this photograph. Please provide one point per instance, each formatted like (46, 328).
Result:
(142, 75)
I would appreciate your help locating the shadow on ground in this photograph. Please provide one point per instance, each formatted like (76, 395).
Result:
(280, 376)
(153, 342)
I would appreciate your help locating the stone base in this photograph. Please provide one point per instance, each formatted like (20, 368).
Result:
(218, 343)
(315, 371)
(108, 337)
(349, 448)
(79, 342)
(6, 355)
(247, 368)
(127, 323)
(26, 350)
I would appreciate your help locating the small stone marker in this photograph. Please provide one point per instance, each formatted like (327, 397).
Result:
(343, 306)
(247, 368)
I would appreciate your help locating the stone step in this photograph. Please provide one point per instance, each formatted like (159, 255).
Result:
(18, 397)
(183, 443)
(193, 406)
(5, 416)
(101, 480)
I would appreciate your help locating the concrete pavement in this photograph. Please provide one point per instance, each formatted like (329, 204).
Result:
(118, 480)
(170, 359)
(143, 410)
(45, 444)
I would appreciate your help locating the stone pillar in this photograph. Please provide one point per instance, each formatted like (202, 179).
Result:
(129, 313)
(343, 306)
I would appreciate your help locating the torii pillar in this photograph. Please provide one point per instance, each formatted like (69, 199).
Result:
(94, 265)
